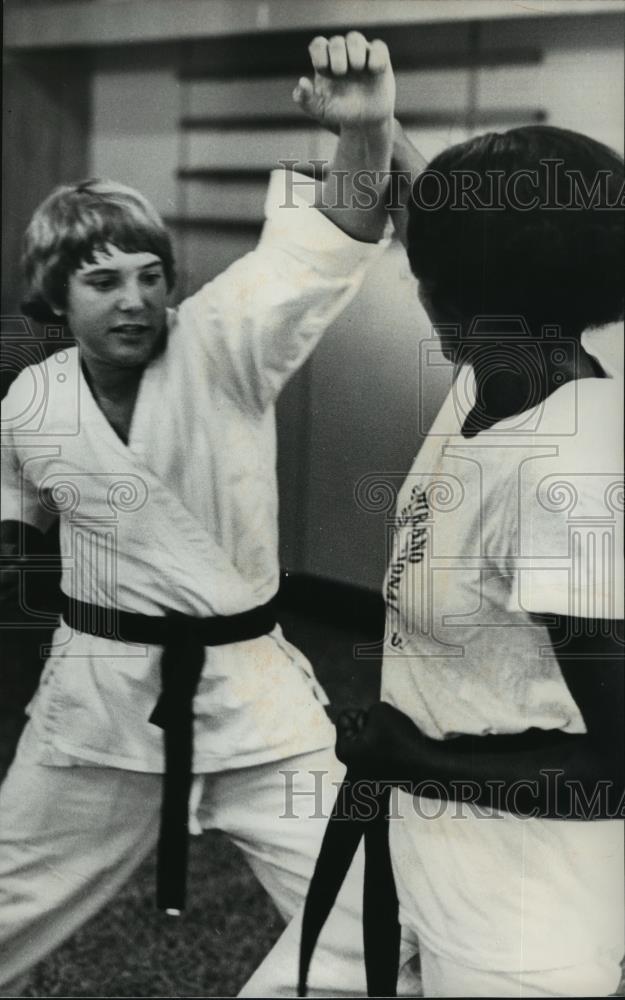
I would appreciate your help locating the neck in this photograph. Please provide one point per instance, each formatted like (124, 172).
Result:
(109, 381)
(539, 369)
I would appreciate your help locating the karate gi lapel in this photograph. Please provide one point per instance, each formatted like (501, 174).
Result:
(194, 557)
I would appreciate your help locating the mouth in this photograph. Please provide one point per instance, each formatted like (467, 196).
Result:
(131, 329)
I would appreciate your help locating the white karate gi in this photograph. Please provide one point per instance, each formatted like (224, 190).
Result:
(183, 518)
(526, 517)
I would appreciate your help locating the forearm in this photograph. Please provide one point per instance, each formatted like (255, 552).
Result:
(406, 164)
(406, 157)
(392, 189)
(353, 193)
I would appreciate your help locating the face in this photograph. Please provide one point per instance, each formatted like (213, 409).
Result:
(116, 307)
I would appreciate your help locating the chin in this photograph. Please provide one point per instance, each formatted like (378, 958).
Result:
(134, 355)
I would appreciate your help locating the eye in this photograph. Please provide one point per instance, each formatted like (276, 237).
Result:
(103, 284)
(151, 278)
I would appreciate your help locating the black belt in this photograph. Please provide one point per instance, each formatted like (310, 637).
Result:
(183, 639)
(380, 908)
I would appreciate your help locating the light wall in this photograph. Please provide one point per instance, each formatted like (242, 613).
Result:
(579, 82)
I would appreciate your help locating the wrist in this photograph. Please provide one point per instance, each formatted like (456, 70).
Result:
(379, 129)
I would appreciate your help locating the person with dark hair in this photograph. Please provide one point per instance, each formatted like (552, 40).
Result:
(540, 233)
(153, 443)
(501, 725)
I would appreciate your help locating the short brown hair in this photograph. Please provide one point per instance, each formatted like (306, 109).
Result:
(76, 221)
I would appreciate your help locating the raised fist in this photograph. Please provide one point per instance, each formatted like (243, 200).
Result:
(353, 85)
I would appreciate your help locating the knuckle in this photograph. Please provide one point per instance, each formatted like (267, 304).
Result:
(317, 46)
(379, 47)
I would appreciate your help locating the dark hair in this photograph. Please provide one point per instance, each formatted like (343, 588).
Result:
(73, 223)
(560, 261)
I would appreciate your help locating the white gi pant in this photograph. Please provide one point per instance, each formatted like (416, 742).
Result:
(505, 906)
(70, 837)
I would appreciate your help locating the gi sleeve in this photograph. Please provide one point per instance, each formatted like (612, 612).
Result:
(19, 498)
(259, 320)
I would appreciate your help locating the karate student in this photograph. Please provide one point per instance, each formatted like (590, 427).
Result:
(153, 444)
(502, 719)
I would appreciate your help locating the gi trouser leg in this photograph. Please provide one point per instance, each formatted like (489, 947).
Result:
(70, 837)
(276, 814)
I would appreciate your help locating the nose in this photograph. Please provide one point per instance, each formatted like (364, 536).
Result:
(130, 297)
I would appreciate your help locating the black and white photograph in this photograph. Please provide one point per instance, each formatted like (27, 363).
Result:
(312, 548)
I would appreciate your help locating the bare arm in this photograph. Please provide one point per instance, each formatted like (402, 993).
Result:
(353, 93)
(407, 163)
(365, 68)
